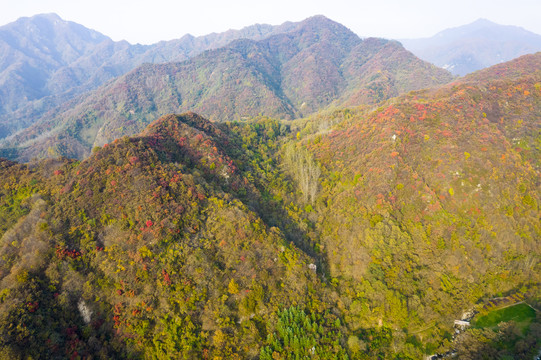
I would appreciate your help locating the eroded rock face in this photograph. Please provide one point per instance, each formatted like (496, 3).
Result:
(85, 311)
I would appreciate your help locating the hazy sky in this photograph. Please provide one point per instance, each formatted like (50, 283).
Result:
(148, 21)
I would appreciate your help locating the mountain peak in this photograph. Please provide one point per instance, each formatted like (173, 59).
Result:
(480, 24)
(49, 16)
(52, 26)
(320, 29)
(169, 124)
(483, 21)
(320, 21)
(40, 21)
(187, 138)
(318, 17)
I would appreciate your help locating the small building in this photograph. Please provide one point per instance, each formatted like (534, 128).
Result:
(461, 324)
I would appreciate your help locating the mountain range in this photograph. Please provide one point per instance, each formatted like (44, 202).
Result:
(47, 60)
(337, 198)
(289, 75)
(53, 72)
(262, 239)
(475, 46)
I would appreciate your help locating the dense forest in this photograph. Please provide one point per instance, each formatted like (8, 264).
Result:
(315, 64)
(359, 232)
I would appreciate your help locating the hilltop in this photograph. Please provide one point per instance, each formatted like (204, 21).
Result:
(154, 239)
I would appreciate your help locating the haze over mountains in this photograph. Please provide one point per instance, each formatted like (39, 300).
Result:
(289, 75)
(49, 59)
(47, 62)
(475, 46)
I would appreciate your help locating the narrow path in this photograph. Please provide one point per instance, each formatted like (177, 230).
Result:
(509, 305)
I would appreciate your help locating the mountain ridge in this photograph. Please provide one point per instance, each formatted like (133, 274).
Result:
(349, 230)
(60, 81)
(287, 75)
(217, 246)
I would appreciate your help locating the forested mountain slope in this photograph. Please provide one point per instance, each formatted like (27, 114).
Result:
(47, 61)
(358, 233)
(153, 245)
(317, 64)
(430, 203)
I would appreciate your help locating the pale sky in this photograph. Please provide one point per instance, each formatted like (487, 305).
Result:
(149, 21)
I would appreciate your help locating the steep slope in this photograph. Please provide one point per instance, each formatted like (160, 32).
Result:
(430, 204)
(475, 46)
(287, 75)
(33, 49)
(378, 69)
(128, 105)
(256, 240)
(147, 249)
(46, 61)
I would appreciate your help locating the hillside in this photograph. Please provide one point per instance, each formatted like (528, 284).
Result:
(47, 61)
(430, 204)
(151, 247)
(355, 233)
(465, 49)
(33, 49)
(319, 63)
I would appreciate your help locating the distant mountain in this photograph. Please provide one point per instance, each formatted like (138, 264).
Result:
(33, 50)
(472, 47)
(45, 61)
(318, 63)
